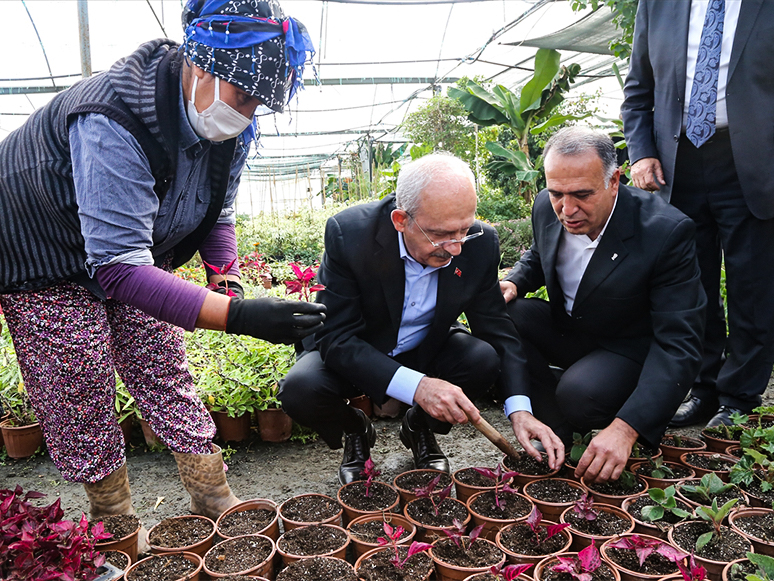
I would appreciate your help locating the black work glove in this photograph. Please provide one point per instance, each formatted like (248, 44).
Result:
(233, 286)
(274, 320)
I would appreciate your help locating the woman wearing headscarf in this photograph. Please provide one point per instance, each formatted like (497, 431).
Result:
(103, 191)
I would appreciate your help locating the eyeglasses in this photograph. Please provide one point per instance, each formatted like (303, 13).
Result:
(446, 242)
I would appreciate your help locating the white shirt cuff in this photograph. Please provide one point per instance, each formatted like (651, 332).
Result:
(403, 385)
(516, 403)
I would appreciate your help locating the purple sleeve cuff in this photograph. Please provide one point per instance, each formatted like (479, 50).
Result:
(154, 291)
(220, 248)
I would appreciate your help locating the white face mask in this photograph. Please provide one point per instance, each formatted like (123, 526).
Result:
(218, 122)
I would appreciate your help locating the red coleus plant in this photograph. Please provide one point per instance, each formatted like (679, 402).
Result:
(692, 572)
(644, 547)
(370, 472)
(501, 479)
(510, 572)
(533, 521)
(457, 534)
(223, 271)
(584, 507)
(35, 543)
(393, 538)
(580, 566)
(302, 285)
(428, 490)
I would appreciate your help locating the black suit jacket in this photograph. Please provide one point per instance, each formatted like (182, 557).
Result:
(640, 297)
(364, 280)
(655, 93)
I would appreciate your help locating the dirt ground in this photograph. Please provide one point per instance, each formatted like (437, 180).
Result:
(263, 470)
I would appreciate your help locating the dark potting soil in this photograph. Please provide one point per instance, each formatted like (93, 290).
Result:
(526, 464)
(369, 532)
(118, 525)
(236, 578)
(615, 488)
(728, 547)
(643, 452)
(415, 479)
(312, 540)
(246, 522)
(180, 532)
(678, 472)
(754, 489)
(421, 510)
(162, 568)
(319, 569)
(117, 559)
(684, 443)
(740, 571)
(479, 553)
(520, 539)
(470, 477)
(635, 509)
(760, 526)
(728, 433)
(553, 490)
(606, 524)
(655, 564)
(512, 506)
(721, 498)
(380, 496)
(377, 567)
(316, 508)
(712, 462)
(603, 573)
(736, 453)
(240, 554)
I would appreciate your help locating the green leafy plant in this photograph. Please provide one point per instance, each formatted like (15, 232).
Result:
(16, 402)
(624, 13)
(714, 516)
(757, 462)
(579, 445)
(627, 480)
(665, 503)
(658, 469)
(709, 487)
(765, 567)
(125, 405)
(730, 432)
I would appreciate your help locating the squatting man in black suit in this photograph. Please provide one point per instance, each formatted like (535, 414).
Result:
(625, 314)
(397, 275)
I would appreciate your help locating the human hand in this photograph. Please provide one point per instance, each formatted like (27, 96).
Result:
(605, 458)
(445, 401)
(509, 290)
(274, 320)
(527, 427)
(644, 171)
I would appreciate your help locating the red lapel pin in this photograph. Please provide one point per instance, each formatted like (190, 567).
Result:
(458, 272)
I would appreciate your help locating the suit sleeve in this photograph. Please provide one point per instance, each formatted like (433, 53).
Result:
(341, 349)
(639, 93)
(677, 304)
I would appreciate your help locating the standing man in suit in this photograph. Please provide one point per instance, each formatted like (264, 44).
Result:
(397, 274)
(626, 311)
(699, 124)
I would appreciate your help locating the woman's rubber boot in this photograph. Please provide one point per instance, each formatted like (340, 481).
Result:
(205, 480)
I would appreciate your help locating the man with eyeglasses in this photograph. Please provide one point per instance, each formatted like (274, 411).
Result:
(398, 273)
(625, 314)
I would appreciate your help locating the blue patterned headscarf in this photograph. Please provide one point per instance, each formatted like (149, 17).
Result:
(250, 44)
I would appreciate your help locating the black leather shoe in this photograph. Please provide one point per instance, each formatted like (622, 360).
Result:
(723, 417)
(421, 442)
(693, 411)
(357, 449)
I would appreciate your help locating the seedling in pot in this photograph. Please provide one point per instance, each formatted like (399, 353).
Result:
(393, 536)
(757, 463)
(580, 566)
(658, 469)
(579, 445)
(715, 517)
(457, 535)
(765, 565)
(500, 478)
(666, 502)
(369, 472)
(692, 572)
(584, 507)
(730, 432)
(533, 521)
(627, 480)
(427, 491)
(510, 572)
(710, 487)
(644, 547)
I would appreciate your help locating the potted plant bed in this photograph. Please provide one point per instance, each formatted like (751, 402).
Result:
(660, 474)
(430, 518)
(241, 556)
(734, 450)
(623, 554)
(258, 516)
(719, 551)
(394, 563)
(738, 570)
(595, 522)
(640, 453)
(494, 510)
(757, 524)
(721, 437)
(189, 534)
(313, 541)
(365, 531)
(614, 492)
(309, 509)
(172, 567)
(662, 514)
(468, 481)
(232, 428)
(492, 577)
(533, 540)
(408, 482)
(553, 495)
(755, 494)
(528, 468)
(460, 557)
(118, 559)
(274, 425)
(586, 563)
(124, 529)
(705, 462)
(359, 498)
(702, 492)
(319, 569)
(21, 440)
(673, 446)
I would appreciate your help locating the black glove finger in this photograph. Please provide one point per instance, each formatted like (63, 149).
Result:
(306, 321)
(300, 333)
(304, 307)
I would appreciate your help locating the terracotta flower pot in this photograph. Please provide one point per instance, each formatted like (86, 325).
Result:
(716, 443)
(581, 540)
(232, 429)
(199, 548)
(610, 499)
(271, 530)
(351, 512)
(407, 495)
(121, 553)
(490, 577)
(722, 474)
(714, 568)
(551, 510)
(429, 533)
(759, 545)
(647, 528)
(21, 441)
(289, 523)
(465, 491)
(673, 453)
(369, 554)
(663, 482)
(627, 574)
(127, 544)
(726, 575)
(545, 565)
(274, 425)
(192, 557)
(635, 459)
(339, 553)
(493, 525)
(2, 419)
(448, 572)
(265, 568)
(518, 558)
(151, 439)
(396, 520)
(363, 403)
(734, 450)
